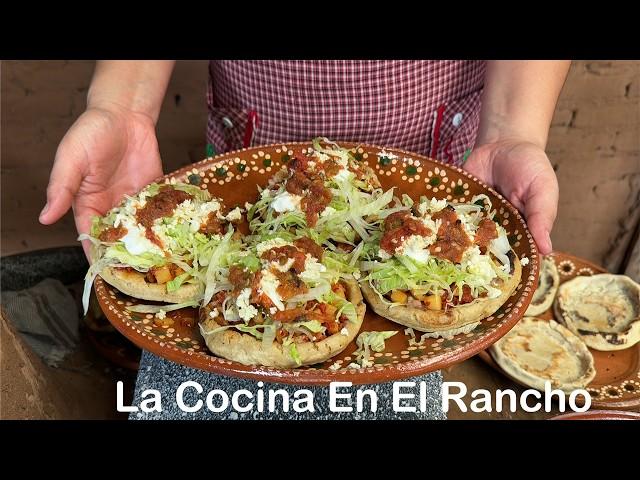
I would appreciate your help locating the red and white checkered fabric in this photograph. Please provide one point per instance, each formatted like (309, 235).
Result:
(429, 107)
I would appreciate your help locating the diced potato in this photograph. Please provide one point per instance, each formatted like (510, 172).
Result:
(398, 296)
(433, 302)
(338, 289)
(163, 275)
(177, 271)
(420, 298)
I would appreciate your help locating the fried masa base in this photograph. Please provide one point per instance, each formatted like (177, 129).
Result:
(135, 285)
(248, 350)
(547, 288)
(458, 319)
(621, 333)
(536, 351)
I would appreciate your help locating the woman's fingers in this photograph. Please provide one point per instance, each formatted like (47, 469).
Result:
(540, 210)
(64, 182)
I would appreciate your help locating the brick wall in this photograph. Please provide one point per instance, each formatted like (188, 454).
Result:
(594, 144)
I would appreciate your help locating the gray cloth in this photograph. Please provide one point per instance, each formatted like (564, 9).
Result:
(46, 317)
(165, 376)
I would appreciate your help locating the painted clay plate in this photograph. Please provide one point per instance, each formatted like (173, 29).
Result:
(617, 381)
(234, 176)
(598, 415)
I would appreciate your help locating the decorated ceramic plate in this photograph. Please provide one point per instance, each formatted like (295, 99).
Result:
(234, 176)
(598, 415)
(617, 381)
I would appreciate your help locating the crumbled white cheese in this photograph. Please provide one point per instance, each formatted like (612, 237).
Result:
(469, 227)
(282, 268)
(269, 244)
(192, 212)
(344, 331)
(322, 157)
(286, 202)
(356, 275)
(524, 261)
(214, 313)
(245, 309)
(334, 366)
(493, 292)
(431, 206)
(234, 215)
(389, 155)
(414, 247)
(248, 206)
(312, 269)
(266, 193)
(273, 310)
(383, 254)
(135, 240)
(269, 285)
(327, 211)
(161, 314)
(343, 175)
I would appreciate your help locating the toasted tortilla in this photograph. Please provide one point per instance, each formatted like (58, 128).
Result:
(536, 351)
(133, 283)
(545, 293)
(248, 350)
(458, 319)
(604, 310)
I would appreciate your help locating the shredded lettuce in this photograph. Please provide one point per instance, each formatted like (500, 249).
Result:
(142, 261)
(156, 308)
(173, 285)
(370, 341)
(293, 352)
(313, 326)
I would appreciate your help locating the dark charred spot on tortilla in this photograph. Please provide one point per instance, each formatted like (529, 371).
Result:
(586, 332)
(512, 257)
(614, 339)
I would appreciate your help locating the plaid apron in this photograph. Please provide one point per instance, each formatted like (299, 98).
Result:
(428, 107)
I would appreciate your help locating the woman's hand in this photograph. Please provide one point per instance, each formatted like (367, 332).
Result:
(521, 171)
(111, 150)
(107, 153)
